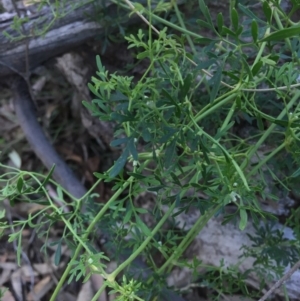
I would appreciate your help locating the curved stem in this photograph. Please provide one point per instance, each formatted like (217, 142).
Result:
(197, 227)
(269, 130)
(114, 274)
(85, 236)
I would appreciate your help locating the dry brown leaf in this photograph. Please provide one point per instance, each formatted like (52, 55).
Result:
(8, 296)
(5, 276)
(35, 208)
(40, 289)
(68, 154)
(8, 266)
(3, 257)
(26, 233)
(30, 2)
(93, 163)
(6, 110)
(39, 84)
(16, 283)
(43, 268)
(66, 296)
(28, 273)
(74, 158)
(23, 209)
(15, 158)
(49, 112)
(97, 281)
(112, 297)
(86, 292)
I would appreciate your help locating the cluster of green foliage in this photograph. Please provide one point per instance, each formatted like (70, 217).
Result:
(177, 129)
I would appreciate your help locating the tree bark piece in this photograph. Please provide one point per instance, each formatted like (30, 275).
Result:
(24, 108)
(66, 33)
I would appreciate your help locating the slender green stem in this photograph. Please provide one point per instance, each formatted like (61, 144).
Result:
(280, 26)
(85, 236)
(65, 275)
(90, 190)
(226, 154)
(163, 21)
(197, 227)
(69, 226)
(182, 24)
(209, 109)
(261, 49)
(265, 160)
(266, 134)
(111, 277)
(99, 292)
(228, 117)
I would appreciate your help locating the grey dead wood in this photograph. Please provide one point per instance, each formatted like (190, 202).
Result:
(74, 29)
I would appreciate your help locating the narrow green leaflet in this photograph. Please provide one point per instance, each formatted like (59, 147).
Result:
(215, 81)
(2, 215)
(59, 192)
(205, 11)
(118, 142)
(48, 176)
(282, 34)
(220, 22)
(260, 123)
(101, 68)
(249, 13)
(256, 68)
(20, 184)
(128, 215)
(204, 64)
(93, 90)
(142, 226)
(19, 249)
(227, 31)
(184, 89)
(223, 130)
(170, 153)
(13, 236)
(203, 24)
(123, 118)
(137, 175)
(254, 30)
(296, 173)
(120, 163)
(57, 255)
(173, 101)
(141, 210)
(244, 219)
(169, 132)
(132, 149)
(234, 19)
(267, 11)
(118, 96)
(175, 179)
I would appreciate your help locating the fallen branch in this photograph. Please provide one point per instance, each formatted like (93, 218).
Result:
(73, 28)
